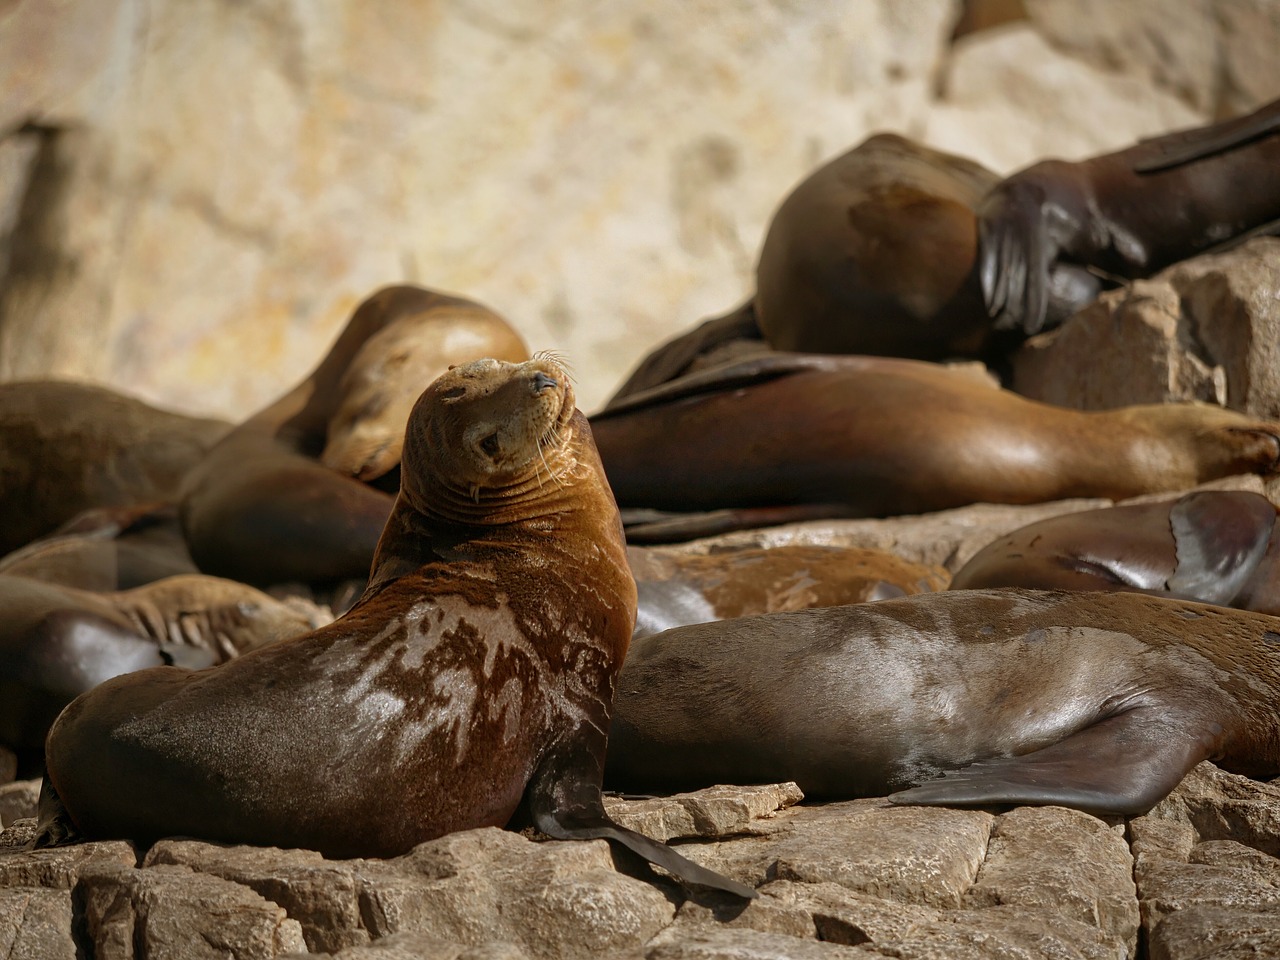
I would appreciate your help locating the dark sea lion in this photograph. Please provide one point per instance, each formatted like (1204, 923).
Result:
(874, 436)
(107, 548)
(679, 588)
(264, 508)
(68, 447)
(1097, 701)
(478, 667)
(875, 253)
(1216, 546)
(1129, 213)
(57, 642)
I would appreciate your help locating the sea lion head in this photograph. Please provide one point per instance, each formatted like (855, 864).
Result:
(490, 431)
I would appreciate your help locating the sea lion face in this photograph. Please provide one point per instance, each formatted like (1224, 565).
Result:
(489, 423)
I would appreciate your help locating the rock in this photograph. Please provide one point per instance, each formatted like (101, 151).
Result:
(35, 924)
(553, 899)
(419, 946)
(1218, 55)
(840, 915)
(738, 943)
(59, 868)
(713, 812)
(173, 913)
(1005, 933)
(8, 765)
(18, 800)
(917, 855)
(1203, 932)
(1052, 858)
(486, 152)
(1205, 329)
(1009, 98)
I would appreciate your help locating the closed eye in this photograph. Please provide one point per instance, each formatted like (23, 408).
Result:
(490, 445)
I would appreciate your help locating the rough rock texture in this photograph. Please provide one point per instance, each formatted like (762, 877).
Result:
(1198, 874)
(1206, 329)
(18, 800)
(190, 184)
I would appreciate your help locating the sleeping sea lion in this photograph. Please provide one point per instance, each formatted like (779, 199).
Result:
(679, 588)
(1098, 701)
(875, 436)
(1129, 213)
(57, 642)
(875, 252)
(69, 447)
(107, 548)
(1215, 546)
(477, 668)
(286, 496)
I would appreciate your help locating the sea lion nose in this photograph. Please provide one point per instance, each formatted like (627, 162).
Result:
(541, 381)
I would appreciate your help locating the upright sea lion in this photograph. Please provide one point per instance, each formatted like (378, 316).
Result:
(57, 642)
(286, 496)
(478, 667)
(875, 436)
(1129, 213)
(1098, 701)
(1216, 546)
(68, 447)
(679, 588)
(875, 252)
(108, 548)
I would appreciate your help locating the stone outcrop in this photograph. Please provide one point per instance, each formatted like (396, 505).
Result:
(1198, 874)
(1206, 329)
(188, 185)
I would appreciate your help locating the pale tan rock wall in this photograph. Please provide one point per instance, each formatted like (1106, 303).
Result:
(198, 191)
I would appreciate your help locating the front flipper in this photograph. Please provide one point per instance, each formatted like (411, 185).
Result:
(565, 807)
(55, 827)
(1220, 538)
(1125, 764)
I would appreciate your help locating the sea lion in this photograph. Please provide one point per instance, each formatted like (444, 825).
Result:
(107, 548)
(1129, 213)
(478, 667)
(875, 436)
(679, 588)
(57, 642)
(1097, 701)
(263, 509)
(875, 253)
(67, 447)
(1216, 546)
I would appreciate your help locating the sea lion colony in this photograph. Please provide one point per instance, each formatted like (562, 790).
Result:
(475, 677)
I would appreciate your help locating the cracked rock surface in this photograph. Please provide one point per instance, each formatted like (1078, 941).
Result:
(1196, 877)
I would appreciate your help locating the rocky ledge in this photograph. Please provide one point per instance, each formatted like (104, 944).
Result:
(1196, 877)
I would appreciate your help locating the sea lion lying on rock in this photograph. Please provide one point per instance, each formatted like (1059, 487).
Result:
(876, 436)
(477, 669)
(1100, 701)
(287, 495)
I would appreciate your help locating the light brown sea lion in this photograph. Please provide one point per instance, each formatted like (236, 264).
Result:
(68, 447)
(873, 436)
(1129, 213)
(875, 253)
(1099, 701)
(107, 548)
(679, 588)
(57, 642)
(478, 667)
(1215, 546)
(262, 508)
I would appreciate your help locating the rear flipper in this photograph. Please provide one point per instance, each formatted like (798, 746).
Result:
(1220, 538)
(1125, 764)
(565, 808)
(55, 827)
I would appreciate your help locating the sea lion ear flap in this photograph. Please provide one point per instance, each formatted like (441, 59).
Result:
(1219, 538)
(567, 809)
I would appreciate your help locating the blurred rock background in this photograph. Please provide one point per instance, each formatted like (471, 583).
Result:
(195, 193)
